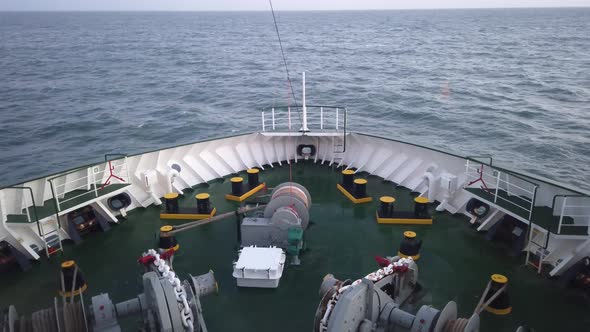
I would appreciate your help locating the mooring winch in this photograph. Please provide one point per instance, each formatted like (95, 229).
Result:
(166, 304)
(285, 218)
(373, 304)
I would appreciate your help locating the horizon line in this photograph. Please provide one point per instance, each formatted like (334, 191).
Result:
(280, 10)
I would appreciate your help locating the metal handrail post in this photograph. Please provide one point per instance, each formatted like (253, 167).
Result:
(127, 170)
(561, 215)
(497, 186)
(273, 118)
(533, 203)
(466, 172)
(55, 198)
(336, 118)
(303, 104)
(32, 202)
(27, 208)
(289, 116)
(94, 181)
(263, 129)
(322, 117)
(344, 130)
(507, 184)
(57, 207)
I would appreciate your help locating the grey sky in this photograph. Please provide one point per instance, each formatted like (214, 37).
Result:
(278, 4)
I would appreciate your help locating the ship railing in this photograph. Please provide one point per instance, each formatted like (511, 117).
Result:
(320, 118)
(576, 207)
(89, 181)
(28, 203)
(505, 189)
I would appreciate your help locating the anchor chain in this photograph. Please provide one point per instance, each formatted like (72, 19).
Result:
(166, 272)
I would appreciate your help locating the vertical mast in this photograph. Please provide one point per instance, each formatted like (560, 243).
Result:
(303, 106)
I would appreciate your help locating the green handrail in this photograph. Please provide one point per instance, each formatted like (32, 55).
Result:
(107, 155)
(552, 229)
(554, 201)
(563, 195)
(55, 203)
(75, 170)
(32, 202)
(501, 169)
(344, 131)
(299, 106)
(486, 156)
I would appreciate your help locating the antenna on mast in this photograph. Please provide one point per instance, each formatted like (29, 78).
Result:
(303, 104)
(282, 51)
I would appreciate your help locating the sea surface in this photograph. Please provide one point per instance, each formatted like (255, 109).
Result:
(514, 83)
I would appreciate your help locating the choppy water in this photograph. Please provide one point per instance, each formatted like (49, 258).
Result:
(515, 83)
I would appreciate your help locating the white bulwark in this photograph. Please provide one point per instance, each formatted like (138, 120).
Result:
(259, 267)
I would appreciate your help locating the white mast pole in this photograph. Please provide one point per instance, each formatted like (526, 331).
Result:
(304, 107)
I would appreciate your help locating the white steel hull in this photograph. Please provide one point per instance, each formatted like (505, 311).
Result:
(418, 168)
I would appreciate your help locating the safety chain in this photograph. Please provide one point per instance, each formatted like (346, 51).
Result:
(168, 274)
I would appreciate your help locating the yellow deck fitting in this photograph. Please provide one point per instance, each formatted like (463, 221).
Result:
(499, 278)
(75, 292)
(166, 228)
(202, 196)
(188, 213)
(415, 257)
(501, 305)
(498, 312)
(171, 195)
(252, 170)
(67, 264)
(405, 217)
(387, 199)
(410, 234)
(421, 200)
(352, 198)
(187, 216)
(245, 195)
(403, 221)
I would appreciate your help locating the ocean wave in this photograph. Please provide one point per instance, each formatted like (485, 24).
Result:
(504, 82)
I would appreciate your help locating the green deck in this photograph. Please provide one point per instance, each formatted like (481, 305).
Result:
(541, 216)
(48, 207)
(455, 265)
(17, 218)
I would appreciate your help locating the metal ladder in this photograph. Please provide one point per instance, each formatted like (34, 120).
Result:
(51, 239)
(338, 149)
(541, 249)
(339, 142)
